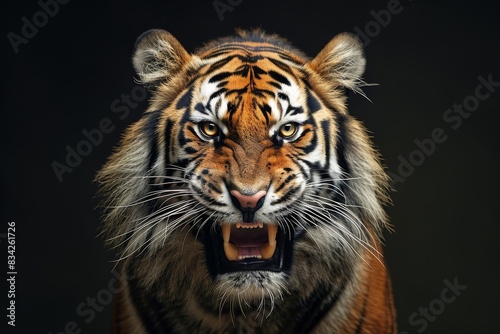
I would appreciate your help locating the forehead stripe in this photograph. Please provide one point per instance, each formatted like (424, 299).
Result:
(312, 103)
(220, 76)
(225, 48)
(278, 77)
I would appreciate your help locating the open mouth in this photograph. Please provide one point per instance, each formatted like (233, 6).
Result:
(249, 241)
(247, 247)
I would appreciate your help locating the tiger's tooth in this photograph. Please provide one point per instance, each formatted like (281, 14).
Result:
(267, 251)
(272, 230)
(231, 251)
(238, 225)
(261, 225)
(226, 232)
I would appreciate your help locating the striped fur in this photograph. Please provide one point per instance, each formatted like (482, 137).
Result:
(169, 180)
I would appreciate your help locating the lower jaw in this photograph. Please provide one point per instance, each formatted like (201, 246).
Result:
(218, 264)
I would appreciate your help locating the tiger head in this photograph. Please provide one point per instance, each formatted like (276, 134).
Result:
(246, 184)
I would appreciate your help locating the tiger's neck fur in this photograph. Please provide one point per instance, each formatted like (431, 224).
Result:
(357, 304)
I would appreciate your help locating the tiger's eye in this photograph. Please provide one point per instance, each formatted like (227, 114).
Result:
(209, 129)
(288, 130)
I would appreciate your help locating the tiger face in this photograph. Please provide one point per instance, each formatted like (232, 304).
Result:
(246, 187)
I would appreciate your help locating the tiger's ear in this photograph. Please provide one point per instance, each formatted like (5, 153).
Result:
(341, 62)
(158, 56)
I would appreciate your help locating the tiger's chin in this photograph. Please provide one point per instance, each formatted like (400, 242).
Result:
(250, 291)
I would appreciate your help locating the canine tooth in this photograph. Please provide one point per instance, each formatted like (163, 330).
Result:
(226, 232)
(231, 251)
(267, 251)
(261, 225)
(238, 225)
(272, 230)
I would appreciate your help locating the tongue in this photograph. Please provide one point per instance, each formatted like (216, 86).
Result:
(245, 252)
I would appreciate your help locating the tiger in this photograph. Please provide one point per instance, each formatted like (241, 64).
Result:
(246, 198)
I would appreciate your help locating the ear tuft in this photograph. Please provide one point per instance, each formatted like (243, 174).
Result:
(341, 62)
(158, 56)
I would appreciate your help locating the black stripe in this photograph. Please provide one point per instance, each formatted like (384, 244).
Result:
(185, 100)
(217, 107)
(201, 108)
(274, 84)
(149, 129)
(342, 142)
(294, 111)
(277, 62)
(277, 140)
(312, 102)
(287, 180)
(279, 77)
(230, 47)
(206, 198)
(312, 145)
(262, 92)
(281, 65)
(287, 196)
(290, 59)
(215, 94)
(257, 71)
(361, 322)
(312, 166)
(220, 77)
(222, 83)
(283, 97)
(316, 309)
(214, 188)
(237, 91)
(218, 64)
(193, 131)
(168, 147)
(249, 58)
(190, 150)
(184, 103)
(325, 125)
(151, 311)
(232, 107)
(265, 109)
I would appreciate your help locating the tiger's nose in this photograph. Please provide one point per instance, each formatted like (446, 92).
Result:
(253, 202)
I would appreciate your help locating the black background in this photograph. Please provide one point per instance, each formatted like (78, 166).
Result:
(427, 58)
